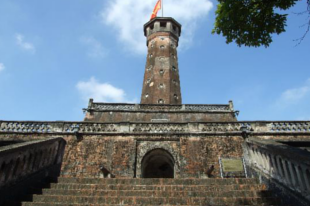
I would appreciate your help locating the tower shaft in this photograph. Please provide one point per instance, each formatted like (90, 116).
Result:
(161, 84)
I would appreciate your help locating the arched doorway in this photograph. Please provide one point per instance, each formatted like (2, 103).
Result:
(157, 163)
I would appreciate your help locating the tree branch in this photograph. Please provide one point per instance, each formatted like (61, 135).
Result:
(306, 24)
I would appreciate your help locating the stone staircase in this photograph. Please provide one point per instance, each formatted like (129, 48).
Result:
(95, 192)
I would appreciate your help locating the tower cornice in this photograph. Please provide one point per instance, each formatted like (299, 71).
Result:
(163, 19)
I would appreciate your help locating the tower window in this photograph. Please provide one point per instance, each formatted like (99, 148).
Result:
(175, 96)
(162, 46)
(149, 68)
(147, 96)
(161, 71)
(174, 28)
(161, 101)
(161, 86)
(152, 43)
(163, 24)
(152, 27)
(174, 68)
(148, 81)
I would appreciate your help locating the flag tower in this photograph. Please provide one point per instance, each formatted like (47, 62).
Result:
(161, 84)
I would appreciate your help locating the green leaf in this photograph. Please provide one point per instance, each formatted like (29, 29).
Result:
(250, 22)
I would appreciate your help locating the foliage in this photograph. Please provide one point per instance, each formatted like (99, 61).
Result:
(251, 22)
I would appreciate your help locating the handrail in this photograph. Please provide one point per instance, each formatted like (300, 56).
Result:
(18, 161)
(287, 165)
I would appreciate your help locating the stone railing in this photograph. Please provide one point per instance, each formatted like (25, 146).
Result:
(24, 159)
(130, 127)
(57, 127)
(159, 128)
(163, 108)
(290, 126)
(287, 165)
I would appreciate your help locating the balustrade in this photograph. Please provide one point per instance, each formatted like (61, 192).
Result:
(20, 160)
(153, 107)
(286, 165)
(204, 127)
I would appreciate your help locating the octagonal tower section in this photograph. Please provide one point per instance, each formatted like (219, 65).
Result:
(161, 84)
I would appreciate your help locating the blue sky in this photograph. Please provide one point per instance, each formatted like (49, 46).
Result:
(54, 55)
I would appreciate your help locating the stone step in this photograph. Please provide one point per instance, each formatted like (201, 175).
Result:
(205, 188)
(153, 200)
(72, 204)
(138, 181)
(153, 193)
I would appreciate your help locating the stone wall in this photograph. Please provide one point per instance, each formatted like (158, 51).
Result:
(96, 155)
(201, 153)
(120, 155)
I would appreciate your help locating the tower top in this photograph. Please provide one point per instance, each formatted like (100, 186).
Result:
(162, 24)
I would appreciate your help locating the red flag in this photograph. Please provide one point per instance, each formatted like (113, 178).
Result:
(156, 9)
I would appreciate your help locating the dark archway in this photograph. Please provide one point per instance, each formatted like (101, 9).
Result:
(157, 163)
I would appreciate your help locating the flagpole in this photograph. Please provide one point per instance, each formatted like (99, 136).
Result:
(162, 9)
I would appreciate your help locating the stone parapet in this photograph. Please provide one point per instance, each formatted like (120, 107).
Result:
(107, 112)
(250, 127)
(97, 107)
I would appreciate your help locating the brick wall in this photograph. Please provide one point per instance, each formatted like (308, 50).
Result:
(98, 155)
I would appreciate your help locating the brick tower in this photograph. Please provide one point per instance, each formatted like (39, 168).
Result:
(161, 84)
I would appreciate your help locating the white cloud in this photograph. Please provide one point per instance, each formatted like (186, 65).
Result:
(2, 67)
(95, 48)
(100, 92)
(295, 95)
(127, 17)
(295, 99)
(27, 46)
(293, 103)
